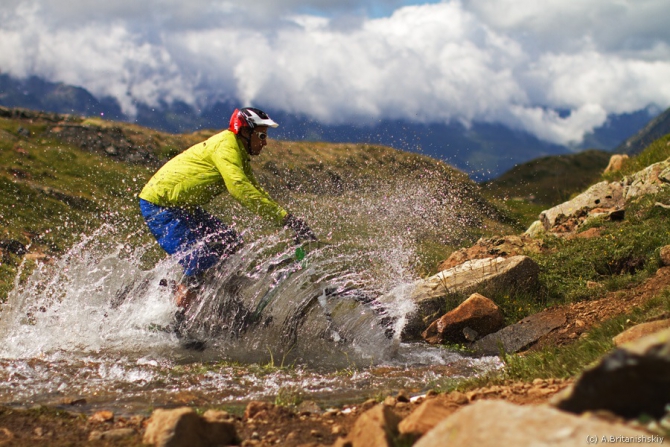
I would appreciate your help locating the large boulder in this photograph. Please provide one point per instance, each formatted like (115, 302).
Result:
(520, 335)
(640, 330)
(479, 275)
(184, 427)
(478, 313)
(603, 195)
(498, 423)
(632, 380)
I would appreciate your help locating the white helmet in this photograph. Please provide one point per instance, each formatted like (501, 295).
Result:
(249, 117)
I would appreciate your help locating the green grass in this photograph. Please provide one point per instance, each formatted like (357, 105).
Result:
(523, 212)
(626, 253)
(51, 193)
(565, 361)
(289, 397)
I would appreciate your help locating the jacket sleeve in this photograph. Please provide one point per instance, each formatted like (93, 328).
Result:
(244, 187)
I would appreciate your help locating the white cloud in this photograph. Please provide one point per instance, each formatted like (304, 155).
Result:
(514, 62)
(570, 25)
(550, 126)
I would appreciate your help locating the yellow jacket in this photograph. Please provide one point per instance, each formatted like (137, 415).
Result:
(204, 171)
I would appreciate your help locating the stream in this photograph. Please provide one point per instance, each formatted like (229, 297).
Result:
(95, 328)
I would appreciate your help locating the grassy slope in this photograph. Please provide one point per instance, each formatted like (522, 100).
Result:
(58, 183)
(654, 130)
(532, 187)
(625, 254)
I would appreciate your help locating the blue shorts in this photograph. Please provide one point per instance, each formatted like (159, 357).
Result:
(198, 239)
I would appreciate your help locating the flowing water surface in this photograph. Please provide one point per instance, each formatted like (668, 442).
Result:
(95, 326)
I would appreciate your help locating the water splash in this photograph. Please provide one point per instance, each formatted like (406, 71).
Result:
(96, 321)
(252, 308)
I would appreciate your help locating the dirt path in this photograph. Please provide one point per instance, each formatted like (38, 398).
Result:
(582, 316)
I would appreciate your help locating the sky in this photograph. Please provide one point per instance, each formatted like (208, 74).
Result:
(554, 68)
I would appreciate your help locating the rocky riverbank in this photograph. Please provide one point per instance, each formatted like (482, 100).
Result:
(620, 399)
(261, 424)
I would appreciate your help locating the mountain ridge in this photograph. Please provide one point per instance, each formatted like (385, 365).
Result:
(483, 150)
(654, 129)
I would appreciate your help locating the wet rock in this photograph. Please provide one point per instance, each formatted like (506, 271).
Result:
(477, 313)
(616, 162)
(520, 335)
(479, 275)
(640, 330)
(309, 407)
(495, 423)
(111, 435)
(426, 416)
(183, 427)
(102, 416)
(376, 427)
(632, 380)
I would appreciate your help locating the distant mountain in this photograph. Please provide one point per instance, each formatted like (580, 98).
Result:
(38, 94)
(483, 150)
(656, 128)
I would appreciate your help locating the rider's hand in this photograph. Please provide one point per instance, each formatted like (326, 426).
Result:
(302, 231)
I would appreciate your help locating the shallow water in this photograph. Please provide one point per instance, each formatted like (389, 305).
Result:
(93, 325)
